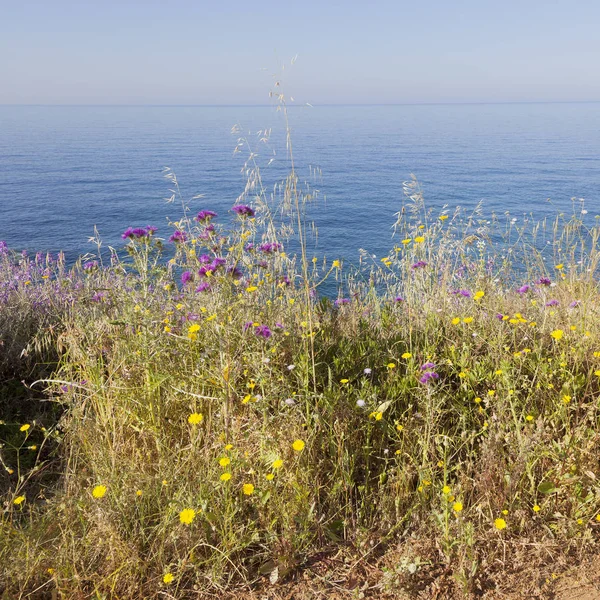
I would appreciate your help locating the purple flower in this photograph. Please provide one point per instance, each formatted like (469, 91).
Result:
(279, 325)
(3, 247)
(427, 365)
(544, 281)
(99, 297)
(204, 216)
(341, 301)
(523, 289)
(552, 303)
(263, 331)
(243, 211)
(575, 304)
(249, 247)
(139, 232)
(203, 287)
(185, 277)
(234, 272)
(428, 376)
(247, 325)
(398, 299)
(269, 248)
(205, 235)
(421, 264)
(217, 262)
(178, 236)
(204, 259)
(464, 293)
(286, 280)
(90, 265)
(500, 316)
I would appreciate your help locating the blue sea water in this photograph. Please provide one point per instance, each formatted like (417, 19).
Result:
(64, 170)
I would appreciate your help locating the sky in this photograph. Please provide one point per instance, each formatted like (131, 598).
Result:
(352, 52)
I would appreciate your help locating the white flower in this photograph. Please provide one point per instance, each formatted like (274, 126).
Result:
(291, 367)
(360, 403)
(290, 401)
(367, 371)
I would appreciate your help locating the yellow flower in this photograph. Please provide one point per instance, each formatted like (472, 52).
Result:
(457, 507)
(443, 217)
(491, 393)
(344, 380)
(168, 578)
(559, 267)
(228, 446)
(298, 445)
(446, 490)
(566, 399)
(195, 418)
(468, 320)
(194, 328)
(406, 355)
(336, 264)
(138, 492)
(225, 476)
(529, 418)
(477, 400)
(419, 239)
(248, 489)
(478, 295)
(557, 334)
(25, 427)
(19, 500)
(500, 524)
(391, 365)
(99, 491)
(498, 372)
(269, 476)
(597, 373)
(224, 461)
(277, 464)
(536, 508)
(251, 288)
(378, 416)
(187, 515)
(406, 241)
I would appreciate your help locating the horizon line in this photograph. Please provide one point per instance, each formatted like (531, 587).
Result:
(304, 105)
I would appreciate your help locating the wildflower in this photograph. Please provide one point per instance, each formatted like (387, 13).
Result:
(536, 508)
(457, 507)
(398, 299)
(427, 365)
(195, 418)
(597, 373)
(468, 320)
(248, 489)
(421, 264)
(367, 371)
(427, 376)
(298, 445)
(225, 476)
(566, 399)
(138, 493)
(456, 321)
(19, 500)
(178, 236)
(575, 304)
(224, 461)
(290, 401)
(446, 490)
(25, 427)
(203, 287)
(186, 276)
(360, 403)
(204, 216)
(243, 211)
(443, 217)
(477, 400)
(228, 446)
(277, 464)
(336, 264)
(341, 301)
(529, 418)
(406, 241)
(391, 365)
(187, 515)
(559, 267)
(343, 381)
(168, 578)
(378, 416)
(544, 281)
(500, 524)
(406, 355)
(557, 334)
(419, 239)
(523, 289)
(263, 331)
(99, 491)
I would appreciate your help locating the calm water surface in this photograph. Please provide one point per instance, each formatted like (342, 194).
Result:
(65, 169)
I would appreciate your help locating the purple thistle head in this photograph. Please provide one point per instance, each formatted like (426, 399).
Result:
(279, 326)
(427, 365)
(552, 303)
(234, 272)
(249, 247)
(263, 331)
(247, 325)
(3, 247)
(285, 280)
(523, 289)
(90, 265)
(421, 264)
(575, 304)
(464, 293)
(204, 259)
(178, 236)
(217, 262)
(398, 299)
(499, 316)
(186, 277)
(544, 281)
(342, 301)
(428, 376)
(204, 216)
(203, 287)
(243, 210)
(99, 297)
(151, 229)
(270, 247)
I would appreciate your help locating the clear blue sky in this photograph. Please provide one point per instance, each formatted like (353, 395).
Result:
(226, 51)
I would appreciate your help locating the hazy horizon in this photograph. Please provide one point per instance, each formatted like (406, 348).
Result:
(132, 53)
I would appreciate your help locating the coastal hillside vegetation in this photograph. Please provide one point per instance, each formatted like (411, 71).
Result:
(220, 406)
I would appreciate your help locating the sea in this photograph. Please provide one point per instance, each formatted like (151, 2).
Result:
(68, 171)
